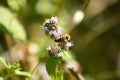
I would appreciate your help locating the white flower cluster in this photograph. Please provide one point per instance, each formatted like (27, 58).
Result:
(54, 51)
(51, 27)
(62, 41)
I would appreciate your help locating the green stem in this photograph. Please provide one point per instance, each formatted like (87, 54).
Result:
(59, 72)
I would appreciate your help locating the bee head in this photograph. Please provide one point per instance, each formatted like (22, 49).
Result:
(67, 37)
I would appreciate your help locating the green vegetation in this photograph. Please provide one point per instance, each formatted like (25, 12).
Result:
(33, 49)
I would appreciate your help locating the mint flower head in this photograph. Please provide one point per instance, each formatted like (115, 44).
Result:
(54, 51)
(51, 27)
(62, 41)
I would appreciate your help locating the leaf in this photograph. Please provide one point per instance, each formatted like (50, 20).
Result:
(15, 66)
(64, 54)
(17, 5)
(67, 56)
(14, 69)
(51, 65)
(11, 24)
(45, 7)
(3, 29)
(1, 78)
(53, 68)
(22, 73)
(5, 63)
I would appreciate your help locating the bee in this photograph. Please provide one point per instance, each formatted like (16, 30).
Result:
(64, 41)
(63, 38)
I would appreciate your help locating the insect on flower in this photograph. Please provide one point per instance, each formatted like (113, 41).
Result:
(63, 38)
(51, 27)
(64, 41)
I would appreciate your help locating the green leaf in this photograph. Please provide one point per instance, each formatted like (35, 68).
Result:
(5, 63)
(1, 78)
(45, 7)
(14, 69)
(53, 67)
(64, 54)
(22, 73)
(9, 22)
(3, 29)
(15, 66)
(17, 5)
(67, 56)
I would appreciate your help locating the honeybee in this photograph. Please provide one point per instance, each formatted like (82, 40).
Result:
(64, 41)
(63, 38)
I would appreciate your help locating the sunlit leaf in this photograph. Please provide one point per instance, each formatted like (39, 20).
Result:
(1, 78)
(17, 4)
(21, 73)
(45, 7)
(11, 24)
(14, 68)
(5, 63)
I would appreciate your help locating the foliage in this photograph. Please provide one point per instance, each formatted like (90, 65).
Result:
(11, 25)
(53, 68)
(13, 69)
(92, 24)
(56, 52)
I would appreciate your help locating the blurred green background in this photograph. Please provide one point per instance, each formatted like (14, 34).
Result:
(94, 26)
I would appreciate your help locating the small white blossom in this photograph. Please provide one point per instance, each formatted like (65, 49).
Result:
(47, 21)
(54, 19)
(55, 33)
(54, 51)
(50, 25)
(59, 30)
